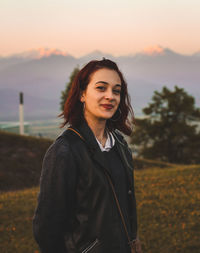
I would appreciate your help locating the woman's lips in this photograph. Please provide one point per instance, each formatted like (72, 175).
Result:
(107, 106)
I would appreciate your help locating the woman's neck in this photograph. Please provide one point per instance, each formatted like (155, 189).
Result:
(98, 129)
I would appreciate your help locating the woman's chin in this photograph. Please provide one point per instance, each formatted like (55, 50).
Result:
(107, 117)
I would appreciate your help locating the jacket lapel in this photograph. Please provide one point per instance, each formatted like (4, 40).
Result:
(121, 150)
(92, 145)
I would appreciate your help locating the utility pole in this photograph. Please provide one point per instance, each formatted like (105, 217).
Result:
(21, 113)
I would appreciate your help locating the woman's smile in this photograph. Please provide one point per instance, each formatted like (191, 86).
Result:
(107, 106)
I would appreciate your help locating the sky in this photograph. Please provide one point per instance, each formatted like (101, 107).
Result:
(119, 27)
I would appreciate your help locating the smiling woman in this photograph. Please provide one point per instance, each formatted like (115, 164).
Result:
(87, 199)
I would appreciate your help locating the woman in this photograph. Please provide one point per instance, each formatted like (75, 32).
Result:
(87, 202)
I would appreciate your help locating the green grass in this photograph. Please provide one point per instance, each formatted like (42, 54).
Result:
(16, 211)
(169, 209)
(168, 203)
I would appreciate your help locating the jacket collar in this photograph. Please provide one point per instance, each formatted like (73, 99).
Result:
(92, 145)
(85, 131)
(122, 150)
(88, 135)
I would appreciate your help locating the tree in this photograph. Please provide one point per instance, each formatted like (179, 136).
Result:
(64, 93)
(169, 131)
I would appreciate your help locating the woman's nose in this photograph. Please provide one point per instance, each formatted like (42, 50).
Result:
(109, 95)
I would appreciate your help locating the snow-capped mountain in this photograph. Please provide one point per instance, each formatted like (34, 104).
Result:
(39, 53)
(43, 73)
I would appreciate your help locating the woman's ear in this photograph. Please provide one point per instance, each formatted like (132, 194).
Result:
(82, 97)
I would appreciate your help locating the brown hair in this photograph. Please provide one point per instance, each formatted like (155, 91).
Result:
(73, 108)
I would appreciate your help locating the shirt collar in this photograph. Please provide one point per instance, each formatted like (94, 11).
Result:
(110, 142)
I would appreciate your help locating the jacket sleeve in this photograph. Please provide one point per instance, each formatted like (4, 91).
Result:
(134, 222)
(54, 213)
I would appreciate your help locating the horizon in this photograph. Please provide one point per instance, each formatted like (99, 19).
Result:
(46, 52)
(115, 27)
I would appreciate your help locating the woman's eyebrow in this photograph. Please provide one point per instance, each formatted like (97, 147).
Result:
(119, 85)
(101, 82)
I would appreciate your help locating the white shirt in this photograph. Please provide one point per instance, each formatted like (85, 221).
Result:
(110, 142)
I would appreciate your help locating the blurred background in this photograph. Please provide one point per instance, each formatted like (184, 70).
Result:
(156, 44)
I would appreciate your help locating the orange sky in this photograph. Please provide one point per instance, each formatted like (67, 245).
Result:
(117, 27)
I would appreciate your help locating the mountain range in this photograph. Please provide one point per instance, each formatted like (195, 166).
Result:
(42, 74)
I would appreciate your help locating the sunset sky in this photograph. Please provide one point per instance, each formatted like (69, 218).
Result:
(119, 27)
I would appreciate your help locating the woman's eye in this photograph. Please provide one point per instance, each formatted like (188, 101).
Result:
(101, 88)
(117, 92)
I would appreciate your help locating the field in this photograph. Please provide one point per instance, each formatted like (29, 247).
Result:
(168, 201)
(169, 209)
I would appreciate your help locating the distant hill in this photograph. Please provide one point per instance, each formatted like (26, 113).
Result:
(43, 74)
(20, 160)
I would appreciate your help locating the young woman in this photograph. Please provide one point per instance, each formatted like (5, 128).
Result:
(87, 202)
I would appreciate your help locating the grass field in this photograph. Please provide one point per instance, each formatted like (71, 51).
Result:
(169, 209)
(168, 203)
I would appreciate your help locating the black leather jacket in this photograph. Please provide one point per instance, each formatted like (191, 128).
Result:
(75, 204)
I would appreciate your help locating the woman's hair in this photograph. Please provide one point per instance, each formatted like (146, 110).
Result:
(73, 108)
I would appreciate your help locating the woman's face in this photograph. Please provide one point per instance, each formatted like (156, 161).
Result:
(102, 95)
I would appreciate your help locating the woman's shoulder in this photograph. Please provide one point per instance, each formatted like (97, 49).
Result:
(63, 143)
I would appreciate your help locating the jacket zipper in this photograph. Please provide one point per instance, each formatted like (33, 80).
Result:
(90, 246)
